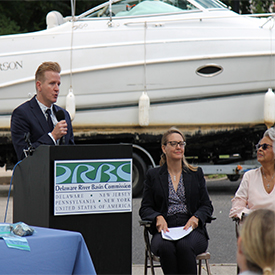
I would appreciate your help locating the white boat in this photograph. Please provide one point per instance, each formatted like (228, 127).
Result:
(198, 64)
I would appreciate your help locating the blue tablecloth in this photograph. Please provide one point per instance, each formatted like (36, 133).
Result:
(52, 252)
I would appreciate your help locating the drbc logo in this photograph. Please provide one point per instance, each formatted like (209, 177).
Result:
(93, 171)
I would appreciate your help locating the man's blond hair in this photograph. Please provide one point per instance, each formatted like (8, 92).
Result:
(45, 67)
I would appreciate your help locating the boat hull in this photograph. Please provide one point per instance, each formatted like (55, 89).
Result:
(177, 94)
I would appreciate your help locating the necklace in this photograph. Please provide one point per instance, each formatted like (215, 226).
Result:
(174, 176)
(268, 180)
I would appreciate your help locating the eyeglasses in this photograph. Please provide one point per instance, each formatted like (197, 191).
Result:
(264, 146)
(176, 143)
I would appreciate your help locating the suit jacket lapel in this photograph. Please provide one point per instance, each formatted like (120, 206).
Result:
(37, 112)
(187, 185)
(164, 182)
(54, 109)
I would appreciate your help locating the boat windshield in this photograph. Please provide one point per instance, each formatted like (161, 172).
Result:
(147, 7)
(209, 4)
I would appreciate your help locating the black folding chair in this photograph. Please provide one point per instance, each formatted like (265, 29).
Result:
(152, 261)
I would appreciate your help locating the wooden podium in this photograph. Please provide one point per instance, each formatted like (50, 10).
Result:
(107, 232)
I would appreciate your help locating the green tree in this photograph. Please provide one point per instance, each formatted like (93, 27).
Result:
(8, 26)
(261, 6)
(30, 15)
(244, 5)
(251, 6)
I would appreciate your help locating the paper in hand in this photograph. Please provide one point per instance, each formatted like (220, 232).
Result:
(176, 233)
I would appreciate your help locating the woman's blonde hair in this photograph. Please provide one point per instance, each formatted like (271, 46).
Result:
(174, 130)
(258, 241)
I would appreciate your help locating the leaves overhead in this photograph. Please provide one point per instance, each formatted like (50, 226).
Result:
(30, 15)
(251, 6)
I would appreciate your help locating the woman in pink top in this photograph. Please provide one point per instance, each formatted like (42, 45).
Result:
(257, 186)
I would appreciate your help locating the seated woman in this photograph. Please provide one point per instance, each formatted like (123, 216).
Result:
(257, 186)
(175, 195)
(256, 244)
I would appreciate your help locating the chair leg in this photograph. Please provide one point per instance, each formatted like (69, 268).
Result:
(146, 263)
(152, 265)
(199, 267)
(207, 267)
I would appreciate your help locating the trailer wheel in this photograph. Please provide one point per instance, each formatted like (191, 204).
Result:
(233, 177)
(138, 174)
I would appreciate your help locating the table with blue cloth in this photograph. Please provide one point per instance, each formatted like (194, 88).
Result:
(52, 251)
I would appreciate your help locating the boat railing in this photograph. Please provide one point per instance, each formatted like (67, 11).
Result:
(268, 19)
(269, 16)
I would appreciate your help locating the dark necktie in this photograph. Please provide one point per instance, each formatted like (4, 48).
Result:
(49, 119)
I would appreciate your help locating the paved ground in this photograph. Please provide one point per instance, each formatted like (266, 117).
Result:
(4, 190)
(5, 175)
(220, 269)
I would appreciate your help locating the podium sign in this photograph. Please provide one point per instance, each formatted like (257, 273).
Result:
(83, 188)
(89, 187)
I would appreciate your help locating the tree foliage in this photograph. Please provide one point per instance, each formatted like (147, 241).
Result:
(244, 6)
(30, 15)
(262, 6)
(251, 6)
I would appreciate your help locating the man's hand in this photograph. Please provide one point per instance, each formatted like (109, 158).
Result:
(161, 224)
(60, 130)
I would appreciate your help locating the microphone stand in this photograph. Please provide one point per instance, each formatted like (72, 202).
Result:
(30, 149)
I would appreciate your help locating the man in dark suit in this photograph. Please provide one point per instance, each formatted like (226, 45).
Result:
(37, 117)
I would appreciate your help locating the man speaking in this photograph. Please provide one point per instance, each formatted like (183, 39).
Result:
(39, 121)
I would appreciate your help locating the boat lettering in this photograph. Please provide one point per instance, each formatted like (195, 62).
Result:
(13, 65)
(80, 26)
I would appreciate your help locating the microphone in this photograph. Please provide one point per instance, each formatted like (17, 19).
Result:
(60, 116)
